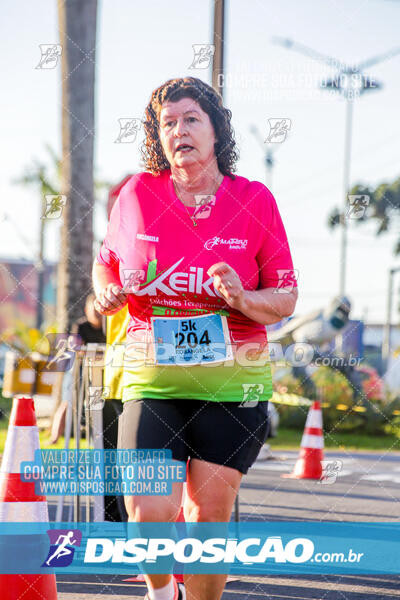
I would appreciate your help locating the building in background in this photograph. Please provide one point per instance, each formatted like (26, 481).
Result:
(353, 339)
(19, 293)
(373, 339)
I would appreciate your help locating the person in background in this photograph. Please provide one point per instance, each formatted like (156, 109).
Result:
(90, 328)
(112, 381)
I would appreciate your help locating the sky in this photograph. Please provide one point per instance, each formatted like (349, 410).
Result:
(142, 44)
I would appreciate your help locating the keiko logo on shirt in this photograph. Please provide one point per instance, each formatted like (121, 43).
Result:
(170, 281)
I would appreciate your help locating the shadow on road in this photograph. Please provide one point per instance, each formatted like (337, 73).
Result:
(292, 587)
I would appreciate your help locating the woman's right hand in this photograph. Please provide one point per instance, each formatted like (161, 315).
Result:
(110, 300)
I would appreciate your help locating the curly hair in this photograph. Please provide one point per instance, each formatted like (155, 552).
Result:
(210, 101)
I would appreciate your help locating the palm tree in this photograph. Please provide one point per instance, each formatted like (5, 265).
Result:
(77, 24)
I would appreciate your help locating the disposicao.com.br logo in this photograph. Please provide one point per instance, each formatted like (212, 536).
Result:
(240, 548)
(192, 550)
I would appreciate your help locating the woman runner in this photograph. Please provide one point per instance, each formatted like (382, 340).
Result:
(201, 258)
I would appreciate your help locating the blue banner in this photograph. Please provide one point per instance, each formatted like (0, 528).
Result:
(236, 548)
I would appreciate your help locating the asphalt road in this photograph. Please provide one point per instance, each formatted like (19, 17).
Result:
(364, 487)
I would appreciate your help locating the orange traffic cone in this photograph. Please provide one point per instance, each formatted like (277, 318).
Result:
(308, 465)
(18, 501)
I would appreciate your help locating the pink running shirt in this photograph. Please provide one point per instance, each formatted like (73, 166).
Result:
(153, 246)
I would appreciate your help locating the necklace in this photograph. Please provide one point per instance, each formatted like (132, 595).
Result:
(191, 217)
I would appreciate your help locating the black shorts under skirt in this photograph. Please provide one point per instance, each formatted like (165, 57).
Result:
(224, 433)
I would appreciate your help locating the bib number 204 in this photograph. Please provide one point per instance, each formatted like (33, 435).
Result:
(189, 335)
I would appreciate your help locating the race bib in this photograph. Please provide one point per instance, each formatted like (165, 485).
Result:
(191, 341)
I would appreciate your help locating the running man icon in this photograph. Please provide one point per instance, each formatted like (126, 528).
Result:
(62, 549)
(60, 554)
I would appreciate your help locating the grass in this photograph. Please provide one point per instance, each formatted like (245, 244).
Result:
(43, 437)
(5, 409)
(289, 439)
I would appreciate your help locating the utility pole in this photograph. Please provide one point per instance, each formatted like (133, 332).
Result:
(218, 58)
(218, 85)
(346, 187)
(40, 270)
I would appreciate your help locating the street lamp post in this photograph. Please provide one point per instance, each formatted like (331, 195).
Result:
(351, 86)
(346, 186)
(268, 158)
(350, 82)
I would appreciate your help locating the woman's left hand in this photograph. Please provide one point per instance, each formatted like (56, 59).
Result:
(227, 282)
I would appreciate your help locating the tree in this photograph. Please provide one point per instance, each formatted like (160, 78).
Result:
(37, 175)
(382, 205)
(46, 178)
(77, 24)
